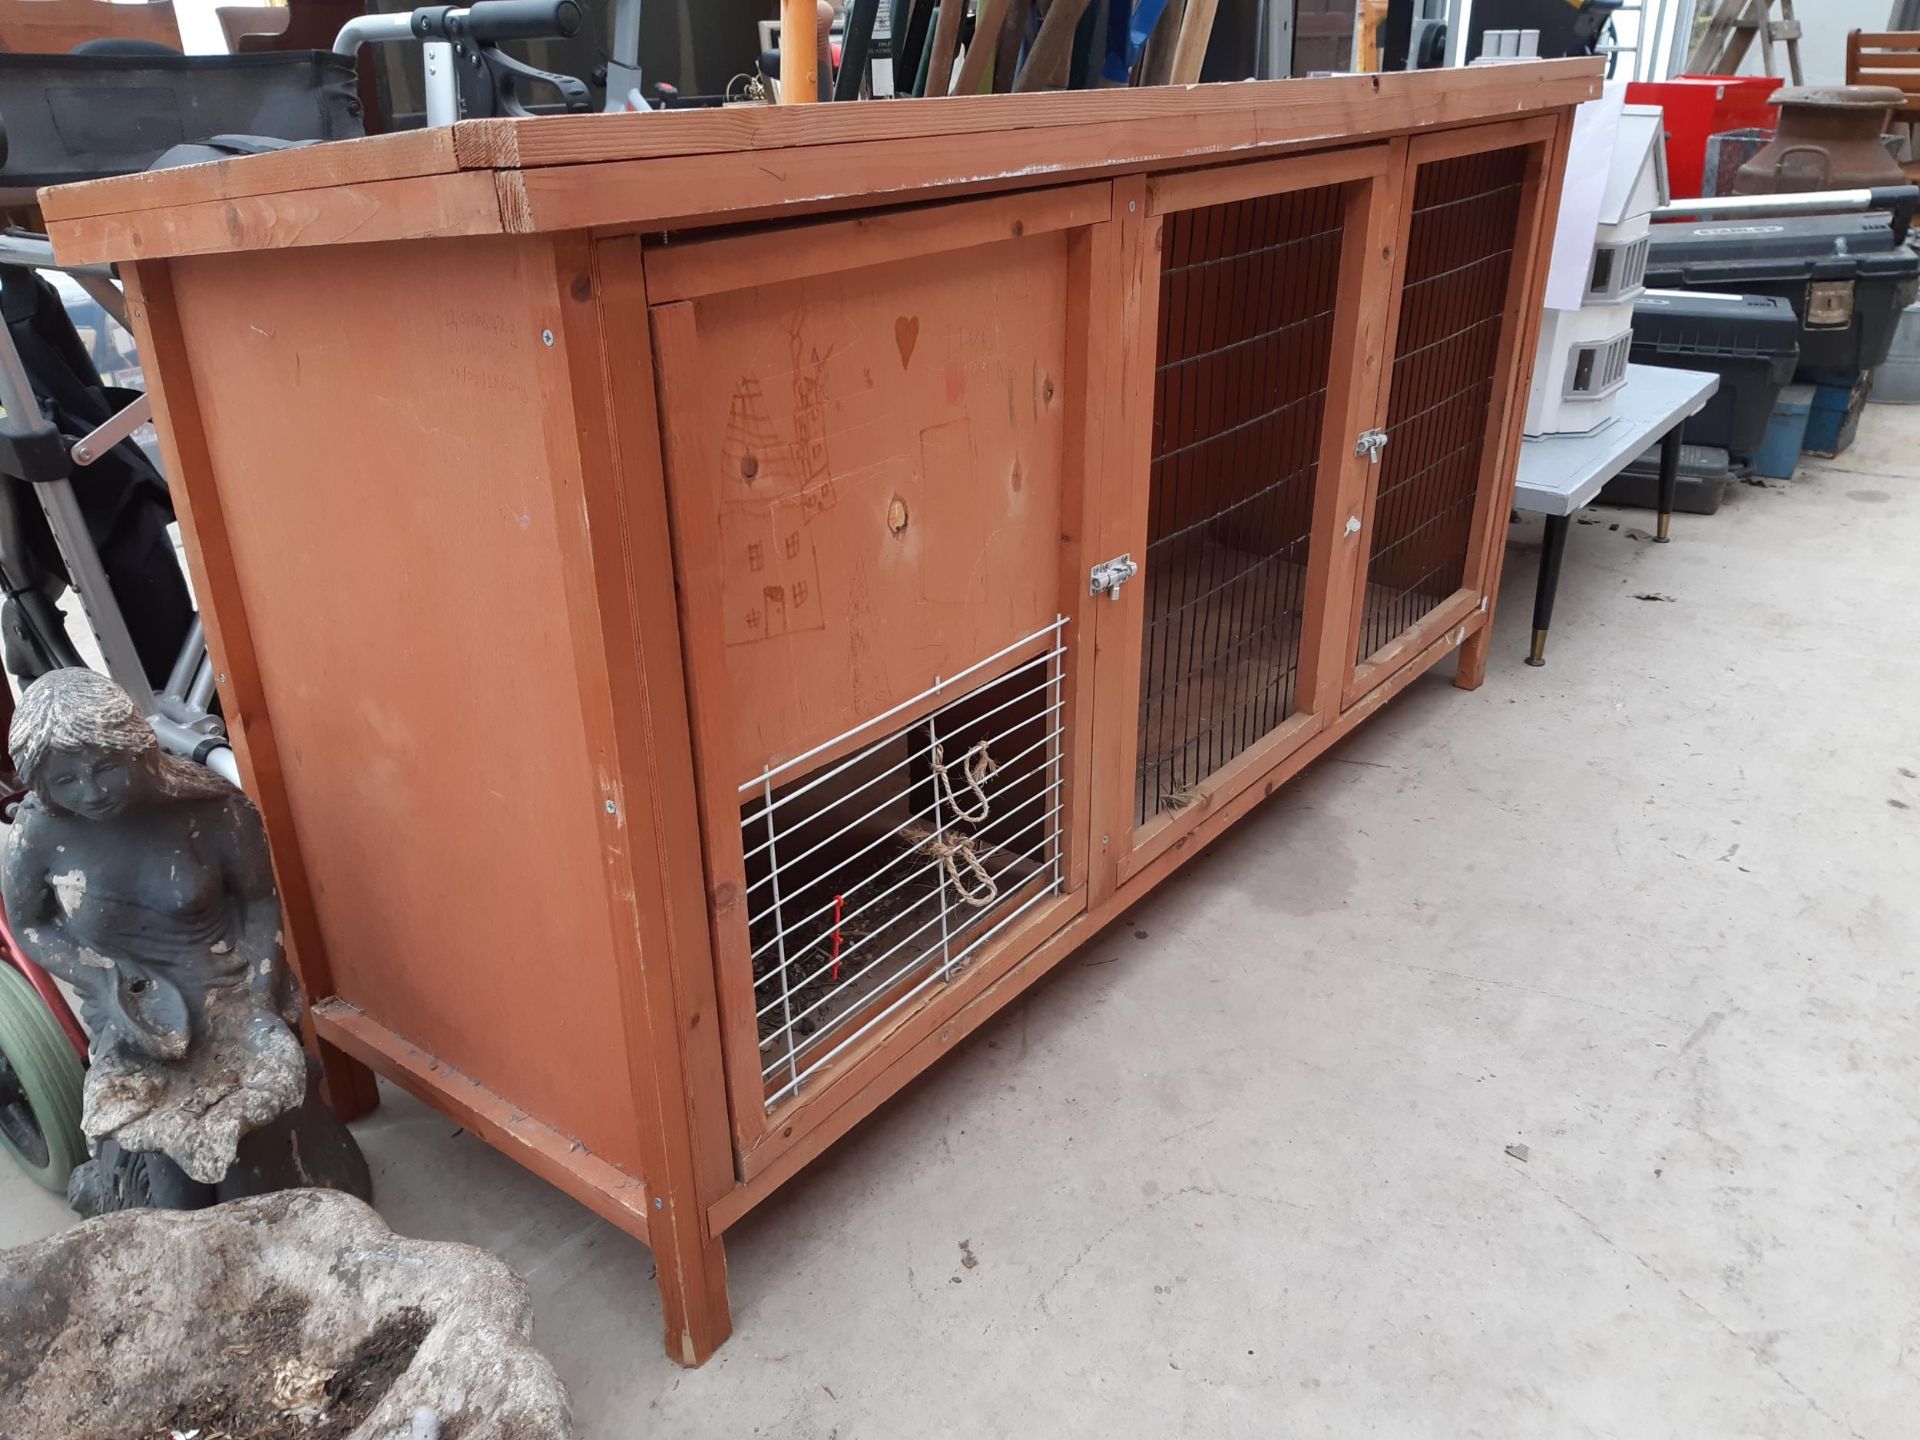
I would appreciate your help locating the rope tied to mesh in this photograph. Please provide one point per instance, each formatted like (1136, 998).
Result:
(976, 767)
(961, 849)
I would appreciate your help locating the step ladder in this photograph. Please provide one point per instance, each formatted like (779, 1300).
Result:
(1731, 31)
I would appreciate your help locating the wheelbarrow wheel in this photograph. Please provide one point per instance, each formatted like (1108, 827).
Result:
(40, 1080)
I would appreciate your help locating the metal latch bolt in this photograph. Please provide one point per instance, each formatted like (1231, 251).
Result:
(1829, 304)
(1370, 443)
(1108, 576)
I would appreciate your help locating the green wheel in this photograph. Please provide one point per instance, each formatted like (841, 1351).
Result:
(40, 1079)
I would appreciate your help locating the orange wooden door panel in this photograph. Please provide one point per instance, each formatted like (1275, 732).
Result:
(876, 439)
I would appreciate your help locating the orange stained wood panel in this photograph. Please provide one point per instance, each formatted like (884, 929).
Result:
(870, 480)
(394, 541)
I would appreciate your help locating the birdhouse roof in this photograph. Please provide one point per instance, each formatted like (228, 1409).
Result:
(1637, 181)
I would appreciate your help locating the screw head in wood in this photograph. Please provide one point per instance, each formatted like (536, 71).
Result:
(546, 338)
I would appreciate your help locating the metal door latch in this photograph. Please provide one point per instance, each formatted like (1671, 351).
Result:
(1108, 576)
(1829, 304)
(1370, 443)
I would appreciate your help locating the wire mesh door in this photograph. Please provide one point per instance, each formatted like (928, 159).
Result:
(1247, 296)
(879, 876)
(1249, 271)
(1427, 514)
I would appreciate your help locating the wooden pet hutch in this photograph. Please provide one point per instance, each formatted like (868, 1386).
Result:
(713, 605)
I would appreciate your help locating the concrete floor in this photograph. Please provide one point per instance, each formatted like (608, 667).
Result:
(1242, 1168)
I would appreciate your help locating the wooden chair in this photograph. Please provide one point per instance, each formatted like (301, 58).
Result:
(53, 27)
(247, 22)
(1890, 57)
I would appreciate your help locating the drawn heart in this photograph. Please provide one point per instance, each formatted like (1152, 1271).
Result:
(906, 334)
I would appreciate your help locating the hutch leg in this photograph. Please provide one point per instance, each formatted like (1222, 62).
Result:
(691, 1271)
(1472, 668)
(1669, 477)
(1550, 556)
(347, 1085)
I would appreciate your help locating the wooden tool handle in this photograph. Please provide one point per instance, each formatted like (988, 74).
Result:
(1052, 52)
(986, 39)
(1013, 34)
(823, 49)
(946, 41)
(856, 47)
(1196, 30)
(1156, 66)
(799, 56)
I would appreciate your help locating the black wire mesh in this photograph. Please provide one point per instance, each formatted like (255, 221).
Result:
(1459, 254)
(1246, 303)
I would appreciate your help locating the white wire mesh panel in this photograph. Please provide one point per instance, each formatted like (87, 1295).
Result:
(877, 876)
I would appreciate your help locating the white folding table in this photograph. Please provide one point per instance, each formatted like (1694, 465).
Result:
(1558, 474)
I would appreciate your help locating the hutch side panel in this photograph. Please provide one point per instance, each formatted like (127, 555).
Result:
(397, 559)
(873, 475)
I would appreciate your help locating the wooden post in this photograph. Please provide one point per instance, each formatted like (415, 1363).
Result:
(1545, 174)
(610, 500)
(1363, 342)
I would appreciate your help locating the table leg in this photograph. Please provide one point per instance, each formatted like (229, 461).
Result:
(1551, 552)
(1669, 477)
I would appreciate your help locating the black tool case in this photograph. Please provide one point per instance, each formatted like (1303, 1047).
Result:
(83, 117)
(1752, 342)
(1847, 277)
(1705, 473)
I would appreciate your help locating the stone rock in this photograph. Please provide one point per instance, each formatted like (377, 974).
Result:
(246, 1071)
(296, 1314)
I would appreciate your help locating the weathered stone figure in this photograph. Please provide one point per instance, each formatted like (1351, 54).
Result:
(144, 881)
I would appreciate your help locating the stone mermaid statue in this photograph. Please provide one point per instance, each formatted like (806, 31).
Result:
(145, 883)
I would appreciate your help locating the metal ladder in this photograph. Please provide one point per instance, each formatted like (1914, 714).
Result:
(1657, 37)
